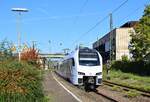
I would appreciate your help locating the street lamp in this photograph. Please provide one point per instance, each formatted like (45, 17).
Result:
(19, 11)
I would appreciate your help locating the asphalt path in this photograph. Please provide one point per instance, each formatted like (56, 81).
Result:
(56, 91)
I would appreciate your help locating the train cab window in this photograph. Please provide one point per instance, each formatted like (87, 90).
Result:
(89, 59)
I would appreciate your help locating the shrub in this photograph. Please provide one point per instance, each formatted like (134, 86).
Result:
(125, 58)
(31, 56)
(20, 82)
(132, 67)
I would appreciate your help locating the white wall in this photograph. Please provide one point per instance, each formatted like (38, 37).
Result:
(122, 42)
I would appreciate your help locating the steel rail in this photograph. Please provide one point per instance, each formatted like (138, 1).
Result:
(127, 88)
(106, 96)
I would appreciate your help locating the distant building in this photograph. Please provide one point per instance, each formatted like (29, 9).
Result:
(120, 40)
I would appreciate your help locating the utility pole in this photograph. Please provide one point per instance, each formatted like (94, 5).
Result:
(110, 37)
(19, 11)
(110, 47)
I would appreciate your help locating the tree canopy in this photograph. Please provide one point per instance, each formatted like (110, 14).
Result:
(5, 49)
(140, 40)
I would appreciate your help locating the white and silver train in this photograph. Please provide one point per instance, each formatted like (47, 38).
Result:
(83, 67)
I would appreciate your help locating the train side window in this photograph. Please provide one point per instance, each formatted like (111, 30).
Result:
(73, 64)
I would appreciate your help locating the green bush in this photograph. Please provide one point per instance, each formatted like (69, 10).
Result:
(132, 67)
(124, 58)
(20, 82)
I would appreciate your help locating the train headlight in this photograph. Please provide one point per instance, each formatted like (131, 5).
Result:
(99, 73)
(81, 73)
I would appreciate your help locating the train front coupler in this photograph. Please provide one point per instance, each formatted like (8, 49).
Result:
(89, 83)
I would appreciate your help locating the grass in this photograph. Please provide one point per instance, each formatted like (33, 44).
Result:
(116, 88)
(131, 94)
(129, 79)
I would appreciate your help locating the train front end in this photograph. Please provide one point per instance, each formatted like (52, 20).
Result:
(89, 68)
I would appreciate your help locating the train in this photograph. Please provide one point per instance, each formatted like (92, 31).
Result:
(82, 67)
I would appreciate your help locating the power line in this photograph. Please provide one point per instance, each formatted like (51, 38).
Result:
(86, 1)
(116, 9)
(135, 10)
(132, 13)
(80, 11)
(93, 27)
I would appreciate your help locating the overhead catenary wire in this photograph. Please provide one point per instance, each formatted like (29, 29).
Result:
(122, 4)
(99, 22)
(80, 11)
(85, 3)
(93, 27)
(135, 10)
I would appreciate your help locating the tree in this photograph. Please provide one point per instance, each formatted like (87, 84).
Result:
(5, 50)
(140, 40)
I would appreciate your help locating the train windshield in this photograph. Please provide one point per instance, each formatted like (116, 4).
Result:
(88, 59)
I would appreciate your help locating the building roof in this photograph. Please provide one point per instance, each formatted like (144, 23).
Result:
(129, 24)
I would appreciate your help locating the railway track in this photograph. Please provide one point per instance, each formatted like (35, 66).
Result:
(127, 88)
(91, 94)
(106, 96)
(96, 92)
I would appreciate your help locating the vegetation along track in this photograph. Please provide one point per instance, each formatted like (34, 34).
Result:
(127, 88)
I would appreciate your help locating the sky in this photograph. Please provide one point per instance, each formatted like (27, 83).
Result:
(58, 24)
